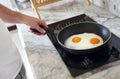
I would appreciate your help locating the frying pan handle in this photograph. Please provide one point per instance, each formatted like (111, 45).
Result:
(50, 33)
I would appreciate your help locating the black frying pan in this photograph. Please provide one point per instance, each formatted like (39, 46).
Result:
(82, 28)
(79, 28)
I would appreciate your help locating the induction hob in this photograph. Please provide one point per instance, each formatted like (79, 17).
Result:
(78, 65)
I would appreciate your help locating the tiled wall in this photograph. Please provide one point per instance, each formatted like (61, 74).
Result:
(112, 5)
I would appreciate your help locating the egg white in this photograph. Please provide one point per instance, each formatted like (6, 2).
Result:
(85, 41)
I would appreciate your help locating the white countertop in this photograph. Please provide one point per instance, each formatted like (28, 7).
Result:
(44, 59)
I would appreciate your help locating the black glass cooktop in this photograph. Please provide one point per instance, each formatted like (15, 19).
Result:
(79, 64)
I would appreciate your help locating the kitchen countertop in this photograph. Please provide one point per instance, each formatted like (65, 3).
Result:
(42, 56)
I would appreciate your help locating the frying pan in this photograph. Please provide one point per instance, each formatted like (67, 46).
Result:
(86, 27)
(78, 28)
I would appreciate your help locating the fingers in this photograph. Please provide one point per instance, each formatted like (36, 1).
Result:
(35, 26)
(36, 32)
(33, 31)
(42, 24)
(41, 30)
(38, 28)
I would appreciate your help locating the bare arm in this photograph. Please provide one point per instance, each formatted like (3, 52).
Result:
(10, 16)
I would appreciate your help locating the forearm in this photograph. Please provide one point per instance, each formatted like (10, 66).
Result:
(8, 15)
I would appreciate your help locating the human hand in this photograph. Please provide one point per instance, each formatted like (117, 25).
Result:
(41, 29)
(35, 24)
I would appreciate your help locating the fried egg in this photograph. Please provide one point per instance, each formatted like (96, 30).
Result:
(83, 41)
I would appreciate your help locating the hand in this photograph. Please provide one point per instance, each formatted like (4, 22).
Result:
(42, 31)
(34, 24)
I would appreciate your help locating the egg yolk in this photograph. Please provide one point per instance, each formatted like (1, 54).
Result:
(94, 40)
(76, 39)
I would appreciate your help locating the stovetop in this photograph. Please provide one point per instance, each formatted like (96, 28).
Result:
(78, 64)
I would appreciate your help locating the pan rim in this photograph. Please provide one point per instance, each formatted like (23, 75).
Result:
(88, 48)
